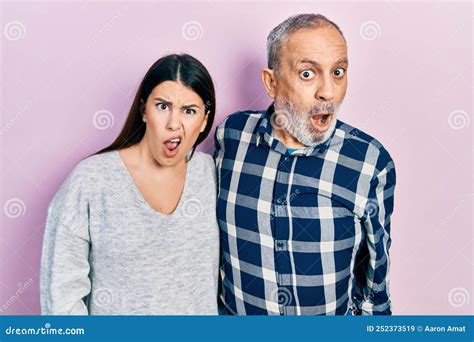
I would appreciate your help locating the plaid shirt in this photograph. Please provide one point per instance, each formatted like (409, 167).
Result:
(307, 232)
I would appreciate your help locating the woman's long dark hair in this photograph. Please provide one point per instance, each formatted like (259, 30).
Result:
(183, 68)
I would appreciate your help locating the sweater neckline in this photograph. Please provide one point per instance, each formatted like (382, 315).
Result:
(144, 203)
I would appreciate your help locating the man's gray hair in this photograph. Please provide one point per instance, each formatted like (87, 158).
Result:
(279, 34)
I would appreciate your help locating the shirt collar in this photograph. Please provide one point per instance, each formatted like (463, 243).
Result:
(265, 136)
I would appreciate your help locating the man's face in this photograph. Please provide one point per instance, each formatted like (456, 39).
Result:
(311, 82)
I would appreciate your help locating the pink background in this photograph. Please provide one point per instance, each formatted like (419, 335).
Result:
(410, 85)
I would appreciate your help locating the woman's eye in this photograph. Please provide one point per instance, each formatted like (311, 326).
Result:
(307, 74)
(162, 106)
(339, 72)
(190, 111)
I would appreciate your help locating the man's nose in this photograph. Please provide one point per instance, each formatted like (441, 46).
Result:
(325, 92)
(174, 121)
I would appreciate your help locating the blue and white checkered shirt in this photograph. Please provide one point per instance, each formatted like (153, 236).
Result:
(307, 232)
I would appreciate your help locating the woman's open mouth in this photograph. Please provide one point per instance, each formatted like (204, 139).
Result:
(171, 146)
(321, 122)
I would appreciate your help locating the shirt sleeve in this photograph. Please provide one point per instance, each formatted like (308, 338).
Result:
(377, 216)
(65, 282)
(219, 149)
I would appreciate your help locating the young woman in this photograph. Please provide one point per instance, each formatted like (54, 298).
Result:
(133, 228)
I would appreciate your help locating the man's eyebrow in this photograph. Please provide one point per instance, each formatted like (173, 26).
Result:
(342, 60)
(309, 61)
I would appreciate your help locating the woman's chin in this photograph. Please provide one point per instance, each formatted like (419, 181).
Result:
(164, 158)
(170, 153)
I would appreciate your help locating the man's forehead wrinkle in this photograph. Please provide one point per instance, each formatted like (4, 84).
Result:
(317, 56)
(310, 49)
(322, 47)
(332, 36)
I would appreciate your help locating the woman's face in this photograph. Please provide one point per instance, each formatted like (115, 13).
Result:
(175, 116)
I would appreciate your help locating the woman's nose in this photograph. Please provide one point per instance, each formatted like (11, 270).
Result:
(174, 121)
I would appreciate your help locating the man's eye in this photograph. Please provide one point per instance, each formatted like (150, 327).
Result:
(190, 111)
(339, 72)
(307, 74)
(162, 106)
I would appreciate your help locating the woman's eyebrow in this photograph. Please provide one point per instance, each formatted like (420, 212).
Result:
(162, 100)
(190, 105)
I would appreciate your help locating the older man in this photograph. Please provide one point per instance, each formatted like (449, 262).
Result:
(304, 199)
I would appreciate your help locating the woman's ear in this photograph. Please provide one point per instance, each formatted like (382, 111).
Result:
(204, 122)
(142, 110)
(269, 81)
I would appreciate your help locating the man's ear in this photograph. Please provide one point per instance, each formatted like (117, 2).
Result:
(269, 81)
(142, 110)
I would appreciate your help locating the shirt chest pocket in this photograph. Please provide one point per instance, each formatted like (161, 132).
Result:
(325, 216)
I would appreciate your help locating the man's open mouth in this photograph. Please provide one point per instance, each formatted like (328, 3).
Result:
(321, 121)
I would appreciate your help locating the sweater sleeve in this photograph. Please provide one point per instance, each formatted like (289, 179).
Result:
(64, 280)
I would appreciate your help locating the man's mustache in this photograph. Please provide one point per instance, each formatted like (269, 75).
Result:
(325, 108)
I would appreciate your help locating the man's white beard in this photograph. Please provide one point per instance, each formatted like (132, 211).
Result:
(298, 123)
